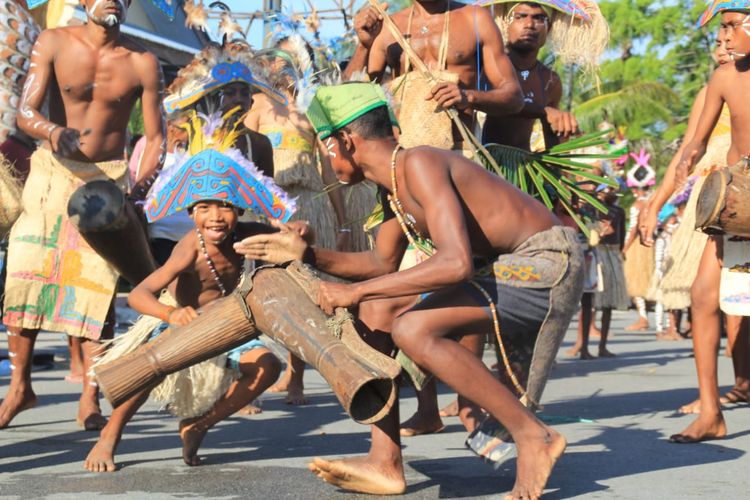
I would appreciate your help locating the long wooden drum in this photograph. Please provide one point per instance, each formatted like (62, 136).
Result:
(722, 204)
(278, 303)
(110, 225)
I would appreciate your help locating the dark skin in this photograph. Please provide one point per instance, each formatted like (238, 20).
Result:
(726, 86)
(541, 86)
(189, 279)
(378, 51)
(240, 94)
(466, 211)
(93, 76)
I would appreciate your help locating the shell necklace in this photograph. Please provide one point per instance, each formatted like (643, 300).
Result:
(212, 266)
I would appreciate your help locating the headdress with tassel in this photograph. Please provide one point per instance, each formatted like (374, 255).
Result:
(578, 31)
(212, 169)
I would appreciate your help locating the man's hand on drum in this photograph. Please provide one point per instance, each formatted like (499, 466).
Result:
(286, 245)
(332, 295)
(182, 316)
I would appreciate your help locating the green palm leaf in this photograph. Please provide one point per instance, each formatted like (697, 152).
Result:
(551, 174)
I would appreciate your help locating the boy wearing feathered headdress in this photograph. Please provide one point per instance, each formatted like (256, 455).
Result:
(214, 183)
(716, 287)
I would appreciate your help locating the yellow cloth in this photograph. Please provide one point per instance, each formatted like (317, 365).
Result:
(55, 281)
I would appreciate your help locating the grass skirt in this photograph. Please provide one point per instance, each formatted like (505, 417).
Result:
(639, 267)
(615, 292)
(10, 196)
(187, 393)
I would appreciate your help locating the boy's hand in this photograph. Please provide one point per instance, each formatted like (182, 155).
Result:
(182, 316)
(332, 295)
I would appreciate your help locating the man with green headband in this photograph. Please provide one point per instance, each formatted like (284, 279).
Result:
(499, 261)
(527, 25)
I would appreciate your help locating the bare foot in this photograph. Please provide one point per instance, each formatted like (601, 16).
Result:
(90, 415)
(283, 384)
(192, 435)
(295, 395)
(101, 458)
(451, 410)
(573, 351)
(638, 326)
(586, 355)
(74, 378)
(703, 428)
(535, 462)
(419, 424)
(250, 409)
(691, 408)
(669, 335)
(361, 475)
(14, 403)
(735, 396)
(604, 353)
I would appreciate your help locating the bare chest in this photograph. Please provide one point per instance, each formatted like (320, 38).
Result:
(428, 38)
(106, 79)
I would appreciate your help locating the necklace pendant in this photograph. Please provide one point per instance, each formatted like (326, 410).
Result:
(411, 219)
(424, 30)
(525, 74)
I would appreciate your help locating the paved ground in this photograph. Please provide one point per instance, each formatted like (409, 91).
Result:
(615, 413)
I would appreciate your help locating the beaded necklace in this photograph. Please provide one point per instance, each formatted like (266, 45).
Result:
(409, 227)
(212, 266)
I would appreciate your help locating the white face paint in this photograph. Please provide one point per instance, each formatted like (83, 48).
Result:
(109, 20)
(330, 145)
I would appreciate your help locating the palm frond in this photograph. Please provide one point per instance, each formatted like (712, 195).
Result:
(643, 101)
(552, 174)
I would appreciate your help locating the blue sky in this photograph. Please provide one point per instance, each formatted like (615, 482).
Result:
(328, 29)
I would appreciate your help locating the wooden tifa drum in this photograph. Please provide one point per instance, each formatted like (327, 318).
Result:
(111, 226)
(722, 206)
(277, 301)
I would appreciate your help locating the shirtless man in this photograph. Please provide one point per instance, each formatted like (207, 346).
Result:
(456, 211)
(471, 27)
(727, 85)
(541, 87)
(93, 77)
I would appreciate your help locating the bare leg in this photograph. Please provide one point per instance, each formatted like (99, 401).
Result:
(594, 332)
(76, 361)
(738, 342)
(423, 333)
(705, 303)
(259, 368)
(101, 458)
(381, 471)
(292, 382)
(606, 322)
(20, 395)
(89, 414)
(641, 323)
(426, 420)
(672, 332)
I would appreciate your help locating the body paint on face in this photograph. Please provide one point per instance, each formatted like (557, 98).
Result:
(108, 20)
(330, 145)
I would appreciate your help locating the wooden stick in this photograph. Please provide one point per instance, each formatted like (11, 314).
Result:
(416, 61)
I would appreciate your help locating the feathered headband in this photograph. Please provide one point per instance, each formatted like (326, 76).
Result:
(578, 32)
(212, 169)
(215, 67)
(719, 6)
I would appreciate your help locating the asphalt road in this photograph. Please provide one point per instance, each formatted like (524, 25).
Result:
(616, 414)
